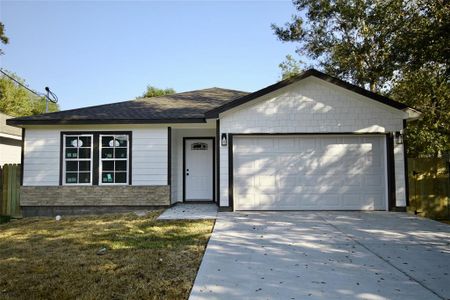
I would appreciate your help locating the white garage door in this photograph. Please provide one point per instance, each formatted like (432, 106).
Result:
(309, 172)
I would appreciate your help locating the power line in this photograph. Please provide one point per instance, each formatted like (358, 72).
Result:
(19, 83)
(54, 100)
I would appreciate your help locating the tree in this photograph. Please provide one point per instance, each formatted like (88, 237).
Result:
(381, 45)
(290, 67)
(156, 92)
(17, 101)
(3, 38)
(428, 91)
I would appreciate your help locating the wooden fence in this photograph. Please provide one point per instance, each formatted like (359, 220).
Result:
(9, 190)
(429, 187)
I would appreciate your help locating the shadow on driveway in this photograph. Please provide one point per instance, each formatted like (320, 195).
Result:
(325, 255)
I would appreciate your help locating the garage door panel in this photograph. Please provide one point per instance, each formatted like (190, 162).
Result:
(374, 180)
(284, 145)
(254, 146)
(244, 182)
(309, 172)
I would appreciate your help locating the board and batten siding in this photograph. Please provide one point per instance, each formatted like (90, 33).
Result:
(42, 154)
(313, 106)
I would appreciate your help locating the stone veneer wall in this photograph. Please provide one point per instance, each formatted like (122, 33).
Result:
(80, 196)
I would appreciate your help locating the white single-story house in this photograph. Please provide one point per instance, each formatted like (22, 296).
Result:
(10, 142)
(312, 142)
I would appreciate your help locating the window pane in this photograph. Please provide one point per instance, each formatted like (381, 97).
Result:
(78, 159)
(85, 152)
(113, 148)
(122, 140)
(71, 177)
(106, 140)
(108, 165)
(85, 141)
(72, 166)
(71, 141)
(85, 177)
(120, 152)
(71, 153)
(85, 165)
(121, 165)
(107, 153)
(107, 177)
(121, 177)
(199, 146)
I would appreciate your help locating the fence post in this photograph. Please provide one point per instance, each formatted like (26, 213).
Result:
(17, 212)
(2, 203)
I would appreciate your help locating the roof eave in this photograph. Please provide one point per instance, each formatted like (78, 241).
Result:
(413, 114)
(19, 122)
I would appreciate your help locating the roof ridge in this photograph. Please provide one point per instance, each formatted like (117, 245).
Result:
(185, 92)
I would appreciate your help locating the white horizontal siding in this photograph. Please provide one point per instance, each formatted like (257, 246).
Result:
(9, 154)
(311, 105)
(41, 157)
(42, 154)
(400, 183)
(149, 156)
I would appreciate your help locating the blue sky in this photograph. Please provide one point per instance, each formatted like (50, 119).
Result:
(106, 51)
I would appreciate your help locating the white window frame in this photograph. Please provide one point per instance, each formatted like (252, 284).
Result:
(91, 159)
(100, 160)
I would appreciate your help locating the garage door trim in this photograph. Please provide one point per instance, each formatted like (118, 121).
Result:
(389, 158)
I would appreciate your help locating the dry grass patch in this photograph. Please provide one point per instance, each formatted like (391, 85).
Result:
(41, 258)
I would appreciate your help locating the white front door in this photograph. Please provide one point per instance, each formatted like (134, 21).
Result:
(198, 169)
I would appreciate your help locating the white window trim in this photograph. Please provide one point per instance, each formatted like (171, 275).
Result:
(91, 160)
(100, 159)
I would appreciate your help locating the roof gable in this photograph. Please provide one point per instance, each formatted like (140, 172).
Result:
(214, 113)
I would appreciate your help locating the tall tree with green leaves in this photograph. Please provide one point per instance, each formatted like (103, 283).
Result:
(383, 46)
(156, 92)
(17, 101)
(290, 67)
(428, 90)
(3, 38)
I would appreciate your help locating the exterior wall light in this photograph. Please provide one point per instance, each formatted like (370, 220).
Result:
(399, 137)
(223, 139)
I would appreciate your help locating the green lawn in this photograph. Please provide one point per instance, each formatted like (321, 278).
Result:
(41, 258)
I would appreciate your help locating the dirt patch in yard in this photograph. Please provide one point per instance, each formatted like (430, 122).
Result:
(144, 258)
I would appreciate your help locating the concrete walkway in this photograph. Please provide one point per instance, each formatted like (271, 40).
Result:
(190, 211)
(325, 255)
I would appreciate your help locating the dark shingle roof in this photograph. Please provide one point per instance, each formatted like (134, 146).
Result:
(181, 107)
(187, 107)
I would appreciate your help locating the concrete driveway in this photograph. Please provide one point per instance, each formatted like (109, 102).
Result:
(325, 255)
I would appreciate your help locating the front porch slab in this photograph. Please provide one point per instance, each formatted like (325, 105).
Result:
(190, 211)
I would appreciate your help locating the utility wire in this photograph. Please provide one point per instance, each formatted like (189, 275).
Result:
(55, 100)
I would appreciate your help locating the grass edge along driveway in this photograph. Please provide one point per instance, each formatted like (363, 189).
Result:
(145, 258)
